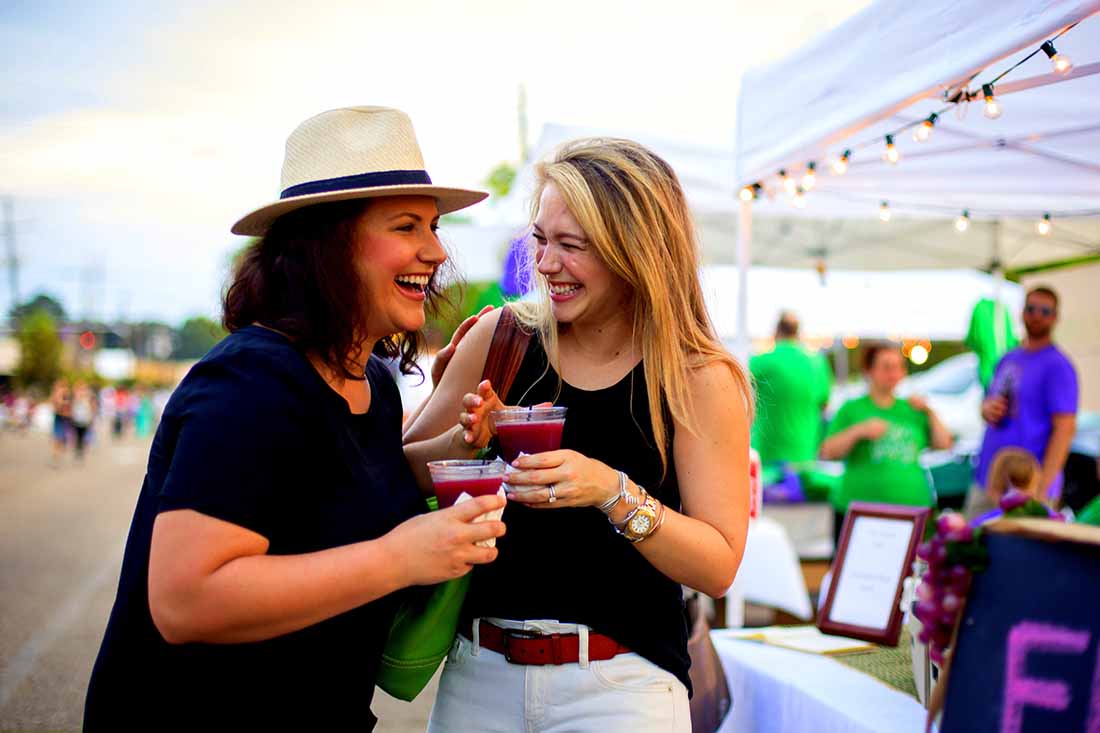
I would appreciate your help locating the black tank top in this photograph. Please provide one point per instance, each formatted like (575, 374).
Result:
(570, 565)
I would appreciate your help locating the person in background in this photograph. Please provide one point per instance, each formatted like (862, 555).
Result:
(61, 400)
(1014, 468)
(143, 418)
(121, 411)
(1031, 403)
(880, 439)
(1017, 474)
(82, 416)
(792, 390)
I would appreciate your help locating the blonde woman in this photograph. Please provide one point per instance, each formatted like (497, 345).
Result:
(579, 624)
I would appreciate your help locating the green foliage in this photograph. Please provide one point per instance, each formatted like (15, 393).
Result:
(196, 337)
(501, 178)
(39, 350)
(468, 299)
(971, 555)
(40, 302)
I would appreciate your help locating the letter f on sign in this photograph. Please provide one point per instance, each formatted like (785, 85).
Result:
(1022, 691)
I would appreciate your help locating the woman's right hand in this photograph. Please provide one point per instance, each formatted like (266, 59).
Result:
(874, 428)
(477, 428)
(439, 546)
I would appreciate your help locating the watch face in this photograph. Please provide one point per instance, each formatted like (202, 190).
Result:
(640, 523)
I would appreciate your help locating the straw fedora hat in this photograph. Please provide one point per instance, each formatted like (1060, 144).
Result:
(353, 153)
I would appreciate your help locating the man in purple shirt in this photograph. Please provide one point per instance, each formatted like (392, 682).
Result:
(1032, 399)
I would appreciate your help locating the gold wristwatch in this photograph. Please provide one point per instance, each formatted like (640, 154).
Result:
(641, 522)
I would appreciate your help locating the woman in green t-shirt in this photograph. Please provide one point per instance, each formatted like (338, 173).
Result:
(880, 438)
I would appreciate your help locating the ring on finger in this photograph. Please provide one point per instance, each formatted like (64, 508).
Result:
(553, 496)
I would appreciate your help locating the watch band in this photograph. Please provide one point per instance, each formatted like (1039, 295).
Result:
(644, 520)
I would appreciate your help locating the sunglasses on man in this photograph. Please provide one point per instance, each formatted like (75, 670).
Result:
(1043, 310)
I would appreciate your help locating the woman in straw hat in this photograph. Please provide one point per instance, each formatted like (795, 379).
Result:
(279, 515)
(579, 624)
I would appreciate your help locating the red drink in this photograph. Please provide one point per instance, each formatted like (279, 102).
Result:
(448, 491)
(529, 437)
(474, 478)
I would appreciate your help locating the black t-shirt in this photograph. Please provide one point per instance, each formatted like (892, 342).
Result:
(570, 565)
(255, 437)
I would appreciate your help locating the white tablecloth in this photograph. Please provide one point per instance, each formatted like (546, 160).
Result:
(770, 573)
(783, 691)
(809, 525)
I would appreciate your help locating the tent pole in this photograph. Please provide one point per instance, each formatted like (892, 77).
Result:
(1000, 338)
(744, 257)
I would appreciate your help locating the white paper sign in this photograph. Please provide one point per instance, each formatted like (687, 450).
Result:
(873, 566)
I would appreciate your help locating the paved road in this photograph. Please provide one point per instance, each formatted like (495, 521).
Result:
(62, 532)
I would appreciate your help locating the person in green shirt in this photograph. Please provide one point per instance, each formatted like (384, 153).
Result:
(880, 439)
(792, 389)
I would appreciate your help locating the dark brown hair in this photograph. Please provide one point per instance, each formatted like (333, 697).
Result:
(787, 326)
(873, 349)
(300, 279)
(1043, 290)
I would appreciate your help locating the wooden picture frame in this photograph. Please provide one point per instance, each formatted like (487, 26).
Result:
(855, 604)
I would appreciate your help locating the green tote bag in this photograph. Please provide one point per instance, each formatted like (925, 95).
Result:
(424, 629)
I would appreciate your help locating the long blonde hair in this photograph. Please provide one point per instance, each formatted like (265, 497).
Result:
(633, 212)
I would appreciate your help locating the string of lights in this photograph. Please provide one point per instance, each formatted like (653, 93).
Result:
(956, 98)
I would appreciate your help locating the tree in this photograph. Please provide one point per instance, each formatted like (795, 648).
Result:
(40, 302)
(197, 336)
(501, 178)
(39, 350)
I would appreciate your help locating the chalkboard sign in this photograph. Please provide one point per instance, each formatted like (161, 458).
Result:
(1027, 656)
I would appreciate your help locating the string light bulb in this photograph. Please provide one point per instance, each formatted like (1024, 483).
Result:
(891, 155)
(799, 198)
(1061, 63)
(809, 180)
(963, 222)
(746, 194)
(884, 211)
(789, 183)
(840, 165)
(924, 130)
(1043, 226)
(992, 106)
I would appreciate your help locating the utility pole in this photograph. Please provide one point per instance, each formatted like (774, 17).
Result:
(13, 258)
(522, 120)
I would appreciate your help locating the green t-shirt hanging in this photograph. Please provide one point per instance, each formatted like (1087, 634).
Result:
(983, 341)
(886, 470)
(792, 386)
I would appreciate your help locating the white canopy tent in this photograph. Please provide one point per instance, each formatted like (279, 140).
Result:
(919, 303)
(891, 66)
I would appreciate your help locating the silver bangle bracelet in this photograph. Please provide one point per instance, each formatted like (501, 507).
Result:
(630, 515)
(611, 503)
(625, 495)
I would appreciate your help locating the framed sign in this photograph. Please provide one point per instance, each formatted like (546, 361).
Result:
(876, 550)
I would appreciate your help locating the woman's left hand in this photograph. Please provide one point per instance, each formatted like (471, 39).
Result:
(576, 480)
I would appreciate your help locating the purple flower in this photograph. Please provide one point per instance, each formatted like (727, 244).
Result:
(1013, 499)
(965, 534)
(950, 522)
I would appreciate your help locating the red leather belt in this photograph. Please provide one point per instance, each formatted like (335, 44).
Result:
(529, 647)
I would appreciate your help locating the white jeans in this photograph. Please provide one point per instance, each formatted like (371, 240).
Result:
(481, 691)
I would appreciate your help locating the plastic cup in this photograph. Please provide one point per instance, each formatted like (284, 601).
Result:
(452, 479)
(528, 430)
